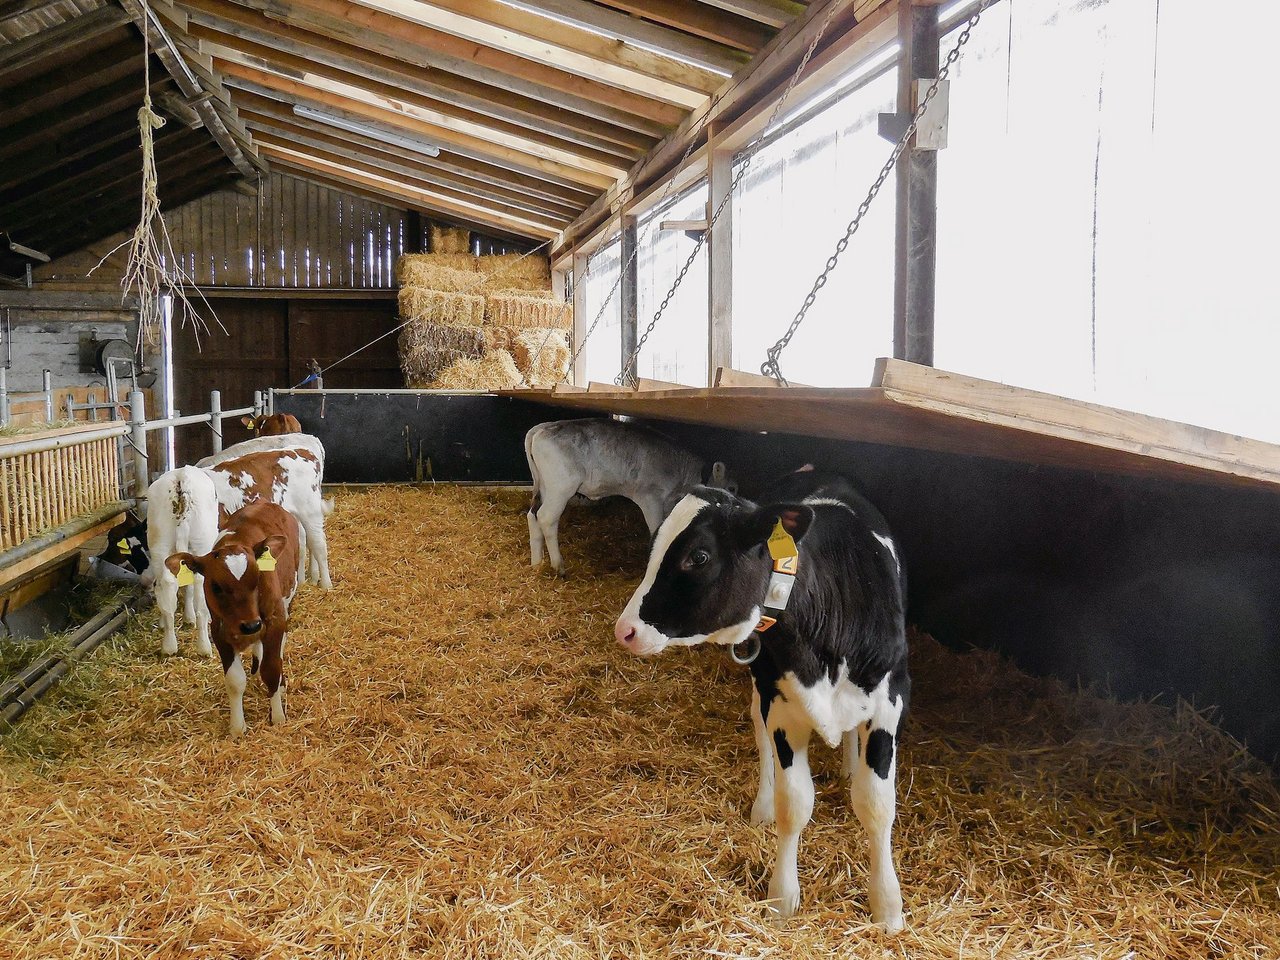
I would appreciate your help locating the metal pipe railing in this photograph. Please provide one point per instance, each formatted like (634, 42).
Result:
(41, 444)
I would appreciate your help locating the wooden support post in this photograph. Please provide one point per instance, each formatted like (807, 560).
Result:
(580, 318)
(915, 262)
(412, 231)
(629, 292)
(720, 261)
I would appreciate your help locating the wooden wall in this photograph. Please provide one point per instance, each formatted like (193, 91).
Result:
(294, 234)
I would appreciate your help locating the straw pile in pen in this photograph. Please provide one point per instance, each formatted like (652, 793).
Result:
(520, 312)
(542, 355)
(450, 239)
(472, 768)
(492, 370)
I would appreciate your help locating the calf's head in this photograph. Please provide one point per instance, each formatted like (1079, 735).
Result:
(708, 572)
(231, 581)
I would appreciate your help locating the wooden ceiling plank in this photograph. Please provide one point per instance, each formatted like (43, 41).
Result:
(248, 54)
(259, 109)
(403, 203)
(212, 18)
(47, 91)
(403, 163)
(36, 47)
(423, 46)
(383, 185)
(409, 178)
(79, 112)
(87, 140)
(434, 133)
(731, 30)
(560, 45)
(583, 13)
(772, 13)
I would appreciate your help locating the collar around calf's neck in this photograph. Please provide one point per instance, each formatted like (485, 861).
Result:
(782, 580)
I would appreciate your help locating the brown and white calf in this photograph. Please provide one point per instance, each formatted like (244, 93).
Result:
(250, 577)
(290, 478)
(272, 424)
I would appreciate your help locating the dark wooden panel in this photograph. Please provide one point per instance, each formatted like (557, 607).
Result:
(327, 330)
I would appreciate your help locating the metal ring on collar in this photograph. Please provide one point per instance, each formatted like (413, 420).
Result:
(751, 646)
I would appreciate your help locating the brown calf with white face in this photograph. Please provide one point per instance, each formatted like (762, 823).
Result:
(272, 424)
(250, 577)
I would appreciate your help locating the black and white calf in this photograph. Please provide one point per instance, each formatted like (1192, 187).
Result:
(834, 661)
(602, 458)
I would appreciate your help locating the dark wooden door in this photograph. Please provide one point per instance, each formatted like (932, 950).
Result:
(269, 342)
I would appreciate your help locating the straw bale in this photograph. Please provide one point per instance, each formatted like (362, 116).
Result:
(428, 276)
(514, 265)
(495, 370)
(427, 349)
(447, 309)
(471, 768)
(521, 312)
(497, 283)
(542, 355)
(497, 338)
(450, 239)
(421, 269)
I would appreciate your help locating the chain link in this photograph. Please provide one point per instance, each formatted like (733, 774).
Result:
(770, 366)
(628, 375)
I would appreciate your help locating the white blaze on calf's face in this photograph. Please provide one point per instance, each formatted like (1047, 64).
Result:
(644, 638)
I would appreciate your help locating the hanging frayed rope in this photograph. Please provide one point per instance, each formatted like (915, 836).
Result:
(152, 270)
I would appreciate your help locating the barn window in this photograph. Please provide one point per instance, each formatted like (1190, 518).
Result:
(602, 355)
(801, 190)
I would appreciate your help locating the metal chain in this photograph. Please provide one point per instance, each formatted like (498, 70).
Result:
(627, 374)
(770, 366)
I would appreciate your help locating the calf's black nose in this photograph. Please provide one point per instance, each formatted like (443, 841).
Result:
(251, 627)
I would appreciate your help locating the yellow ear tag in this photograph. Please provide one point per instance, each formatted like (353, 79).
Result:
(781, 543)
(266, 562)
(124, 548)
(185, 577)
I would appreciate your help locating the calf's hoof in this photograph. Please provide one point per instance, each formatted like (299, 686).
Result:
(169, 648)
(234, 731)
(762, 810)
(784, 899)
(890, 925)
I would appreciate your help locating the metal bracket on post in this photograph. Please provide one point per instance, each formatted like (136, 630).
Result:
(48, 396)
(215, 419)
(259, 403)
(931, 131)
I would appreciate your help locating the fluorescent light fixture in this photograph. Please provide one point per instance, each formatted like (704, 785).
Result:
(373, 133)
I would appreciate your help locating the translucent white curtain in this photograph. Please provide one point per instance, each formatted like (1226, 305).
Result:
(792, 206)
(677, 349)
(1099, 234)
(603, 350)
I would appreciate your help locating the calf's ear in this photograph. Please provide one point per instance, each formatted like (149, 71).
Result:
(794, 517)
(248, 422)
(274, 543)
(194, 564)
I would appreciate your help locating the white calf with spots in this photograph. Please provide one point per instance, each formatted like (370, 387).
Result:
(182, 517)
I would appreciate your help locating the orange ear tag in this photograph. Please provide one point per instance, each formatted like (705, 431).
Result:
(185, 577)
(266, 562)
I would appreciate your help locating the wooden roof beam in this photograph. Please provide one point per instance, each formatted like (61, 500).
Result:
(583, 13)
(336, 80)
(271, 130)
(31, 50)
(98, 135)
(434, 133)
(409, 179)
(519, 226)
(77, 113)
(168, 54)
(48, 91)
(263, 109)
(425, 47)
(560, 45)
(772, 13)
(716, 25)
(212, 19)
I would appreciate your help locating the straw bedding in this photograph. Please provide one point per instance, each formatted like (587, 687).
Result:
(473, 769)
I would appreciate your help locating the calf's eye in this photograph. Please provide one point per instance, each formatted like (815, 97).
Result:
(698, 558)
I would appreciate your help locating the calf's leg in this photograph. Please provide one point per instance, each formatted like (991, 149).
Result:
(548, 516)
(202, 617)
(762, 809)
(793, 806)
(234, 676)
(273, 674)
(319, 547)
(872, 790)
(535, 532)
(166, 588)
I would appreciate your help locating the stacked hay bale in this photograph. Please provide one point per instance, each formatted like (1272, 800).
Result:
(480, 323)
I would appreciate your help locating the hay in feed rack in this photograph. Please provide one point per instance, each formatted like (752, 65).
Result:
(472, 768)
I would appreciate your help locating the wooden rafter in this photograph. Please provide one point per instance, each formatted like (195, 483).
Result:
(559, 45)
(226, 22)
(32, 50)
(717, 25)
